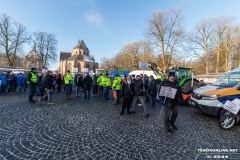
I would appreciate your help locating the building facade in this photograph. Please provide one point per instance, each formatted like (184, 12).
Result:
(32, 59)
(80, 58)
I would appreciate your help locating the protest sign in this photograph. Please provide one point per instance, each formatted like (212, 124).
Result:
(168, 92)
(231, 107)
(143, 65)
(75, 70)
(85, 70)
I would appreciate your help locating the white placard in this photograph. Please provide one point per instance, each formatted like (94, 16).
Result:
(168, 92)
(44, 70)
(75, 70)
(85, 70)
(143, 65)
(231, 107)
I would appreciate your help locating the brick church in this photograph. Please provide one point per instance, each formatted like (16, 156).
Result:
(79, 58)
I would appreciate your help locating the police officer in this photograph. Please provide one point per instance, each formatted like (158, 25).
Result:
(171, 105)
(68, 81)
(32, 80)
(100, 85)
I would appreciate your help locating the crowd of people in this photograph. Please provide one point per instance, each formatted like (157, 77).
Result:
(130, 91)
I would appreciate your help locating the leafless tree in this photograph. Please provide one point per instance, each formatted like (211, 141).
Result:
(200, 40)
(46, 46)
(13, 36)
(166, 32)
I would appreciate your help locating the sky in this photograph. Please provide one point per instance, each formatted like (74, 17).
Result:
(106, 25)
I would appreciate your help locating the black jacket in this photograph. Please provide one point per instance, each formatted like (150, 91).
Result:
(175, 85)
(78, 81)
(138, 88)
(152, 87)
(127, 90)
(48, 82)
(87, 82)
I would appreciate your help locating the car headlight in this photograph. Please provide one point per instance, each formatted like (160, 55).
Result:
(210, 97)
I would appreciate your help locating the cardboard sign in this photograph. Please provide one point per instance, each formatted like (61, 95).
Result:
(85, 69)
(75, 70)
(143, 65)
(168, 92)
(231, 107)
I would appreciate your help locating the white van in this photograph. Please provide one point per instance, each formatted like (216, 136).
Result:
(206, 103)
(138, 72)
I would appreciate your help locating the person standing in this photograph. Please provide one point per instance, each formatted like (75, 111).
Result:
(127, 94)
(87, 86)
(59, 82)
(11, 83)
(95, 84)
(48, 86)
(171, 105)
(100, 85)
(54, 83)
(21, 82)
(152, 90)
(79, 84)
(4, 83)
(116, 87)
(139, 94)
(106, 87)
(68, 81)
(32, 81)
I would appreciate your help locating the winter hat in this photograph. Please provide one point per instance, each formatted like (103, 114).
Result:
(33, 68)
(171, 74)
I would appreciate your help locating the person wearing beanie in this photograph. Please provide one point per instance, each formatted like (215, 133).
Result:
(32, 81)
(171, 105)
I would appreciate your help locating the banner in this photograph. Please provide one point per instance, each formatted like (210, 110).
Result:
(44, 70)
(232, 107)
(168, 92)
(143, 65)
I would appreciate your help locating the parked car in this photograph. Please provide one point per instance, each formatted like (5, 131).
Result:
(212, 101)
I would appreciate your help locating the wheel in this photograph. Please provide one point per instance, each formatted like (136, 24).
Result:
(186, 87)
(227, 121)
(222, 112)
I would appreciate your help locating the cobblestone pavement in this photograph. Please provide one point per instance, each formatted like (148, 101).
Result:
(94, 129)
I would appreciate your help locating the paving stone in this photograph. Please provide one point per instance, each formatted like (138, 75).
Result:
(93, 129)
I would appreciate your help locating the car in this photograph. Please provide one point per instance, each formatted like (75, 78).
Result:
(211, 102)
(205, 102)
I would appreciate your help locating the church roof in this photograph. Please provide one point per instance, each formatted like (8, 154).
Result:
(33, 52)
(64, 55)
(75, 57)
(81, 45)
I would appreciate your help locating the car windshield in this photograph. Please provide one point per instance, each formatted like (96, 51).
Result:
(230, 79)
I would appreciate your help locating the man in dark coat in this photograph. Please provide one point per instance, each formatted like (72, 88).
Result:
(152, 90)
(78, 81)
(127, 94)
(139, 91)
(48, 85)
(59, 82)
(87, 82)
(171, 105)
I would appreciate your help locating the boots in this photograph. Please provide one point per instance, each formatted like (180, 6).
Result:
(51, 103)
(168, 129)
(69, 97)
(39, 101)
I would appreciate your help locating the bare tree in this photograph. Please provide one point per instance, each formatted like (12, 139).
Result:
(200, 39)
(13, 36)
(46, 46)
(165, 30)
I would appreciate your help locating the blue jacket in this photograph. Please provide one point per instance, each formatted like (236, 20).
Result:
(4, 79)
(21, 79)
